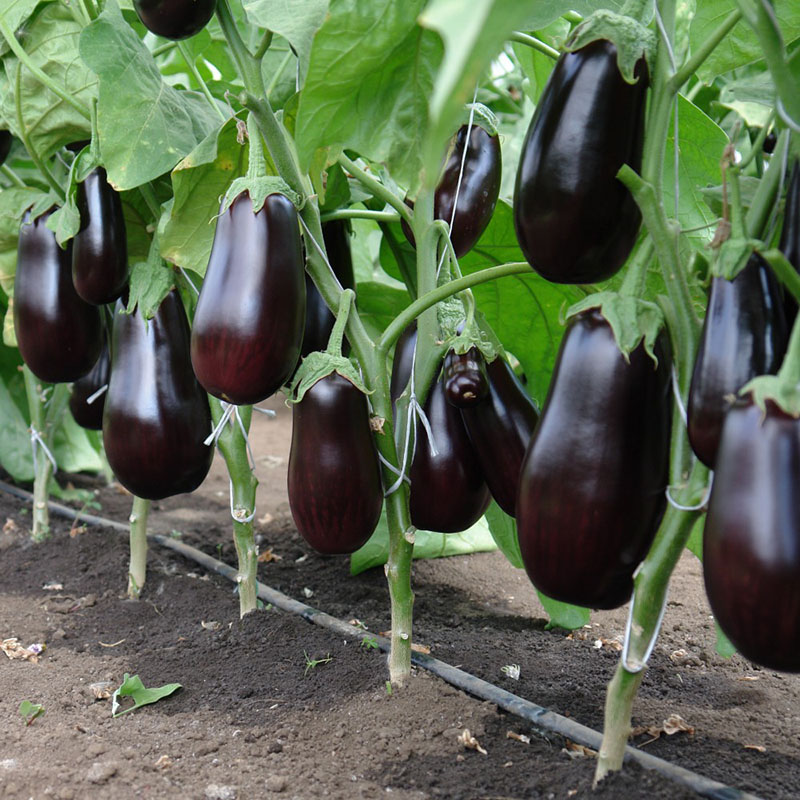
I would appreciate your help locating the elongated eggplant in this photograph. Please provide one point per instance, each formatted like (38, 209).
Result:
(100, 248)
(592, 484)
(464, 376)
(335, 490)
(59, 335)
(156, 416)
(751, 543)
(575, 222)
(90, 415)
(175, 19)
(744, 335)
(248, 326)
(319, 318)
(790, 236)
(500, 429)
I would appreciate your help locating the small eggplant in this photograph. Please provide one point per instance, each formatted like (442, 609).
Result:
(319, 318)
(500, 429)
(464, 376)
(59, 335)
(335, 490)
(175, 19)
(744, 335)
(592, 484)
(248, 326)
(156, 416)
(751, 543)
(90, 415)
(100, 248)
(575, 221)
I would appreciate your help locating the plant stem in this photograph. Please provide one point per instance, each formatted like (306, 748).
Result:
(12, 176)
(233, 446)
(91, 10)
(263, 46)
(377, 188)
(187, 57)
(163, 48)
(535, 44)
(360, 213)
(276, 76)
(137, 568)
(41, 76)
(248, 67)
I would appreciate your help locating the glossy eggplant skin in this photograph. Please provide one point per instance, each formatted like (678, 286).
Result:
(59, 335)
(751, 543)
(100, 248)
(175, 19)
(335, 490)
(593, 480)
(90, 415)
(464, 376)
(319, 318)
(500, 429)
(790, 237)
(156, 415)
(248, 325)
(5, 146)
(744, 335)
(575, 222)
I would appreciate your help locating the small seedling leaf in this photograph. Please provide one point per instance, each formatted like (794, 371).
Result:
(134, 688)
(30, 711)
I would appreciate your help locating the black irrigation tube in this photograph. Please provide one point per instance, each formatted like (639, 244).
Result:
(538, 716)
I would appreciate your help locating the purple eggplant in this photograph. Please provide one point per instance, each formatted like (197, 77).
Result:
(90, 415)
(464, 376)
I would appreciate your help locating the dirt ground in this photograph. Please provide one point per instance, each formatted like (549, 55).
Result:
(257, 718)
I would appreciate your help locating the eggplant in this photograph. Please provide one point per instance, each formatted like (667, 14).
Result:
(751, 542)
(575, 222)
(5, 145)
(90, 415)
(100, 248)
(175, 19)
(59, 335)
(248, 325)
(500, 429)
(744, 335)
(464, 376)
(790, 237)
(156, 416)
(319, 318)
(593, 480)
(335, 490)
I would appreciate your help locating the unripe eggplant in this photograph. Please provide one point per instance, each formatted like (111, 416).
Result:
(464, 376)
(156, 416)
(90, 415)
(319, 318)
(751, 543)
(100, 248)
(59, 335)
(575, 221)
(335, 490)
(500, 429)
(248, 325)
(592, 484)
(744, 335)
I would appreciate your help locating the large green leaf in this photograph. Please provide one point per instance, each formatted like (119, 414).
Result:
(504, 532)
(199, 181)
(146, 127)
(296, 20)
(378, 304)
(51, 42)
(741, 45)
(563, 615)
(369, 79)
(15, 12)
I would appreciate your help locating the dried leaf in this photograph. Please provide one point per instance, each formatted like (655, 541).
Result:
(14, 650)
(164, 762)
(575, 750)
(420, 648)
(759, 748)
(675, 724)
(748, 678)
(520, 737)
(470, 742)
(111, 644)
(10, 526)
(211, 625)
(101, 690)
(268, 556)
(53, 587)
(376, 424)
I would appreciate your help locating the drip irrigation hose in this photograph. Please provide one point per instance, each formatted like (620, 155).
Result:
(539, 717)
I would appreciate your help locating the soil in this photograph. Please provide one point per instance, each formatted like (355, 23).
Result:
(274, 707)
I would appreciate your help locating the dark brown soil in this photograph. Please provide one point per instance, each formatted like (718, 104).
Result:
(255, 720)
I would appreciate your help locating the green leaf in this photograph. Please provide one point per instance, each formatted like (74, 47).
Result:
(13, 203)
(199, 181)
(15, 12)
(369, 78)
(471, 41)
(146, 127)
(149, 284)
(134, 688)
(504, 532)
(375, 552)
(563, 615)
(51, 42)
(15, 454)
(545, 11)
(296, 20)
(74, 449)
(695, 541)
(378, 304)
(724, 646)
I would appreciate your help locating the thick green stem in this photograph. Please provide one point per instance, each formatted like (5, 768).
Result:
(763, 201)
(263, 46)
(620, 694)
(534, 44)
(137, 568)
(233, 446)
(360, 213)
(12, 176)
(187, 57)
(41, 76)
(249, 68)
(377, 188)
(90, 8)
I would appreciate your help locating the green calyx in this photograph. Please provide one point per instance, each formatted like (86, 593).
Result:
(631, 38)
(732, 257)
(480, 115)
(784, 394)
(632, 320)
